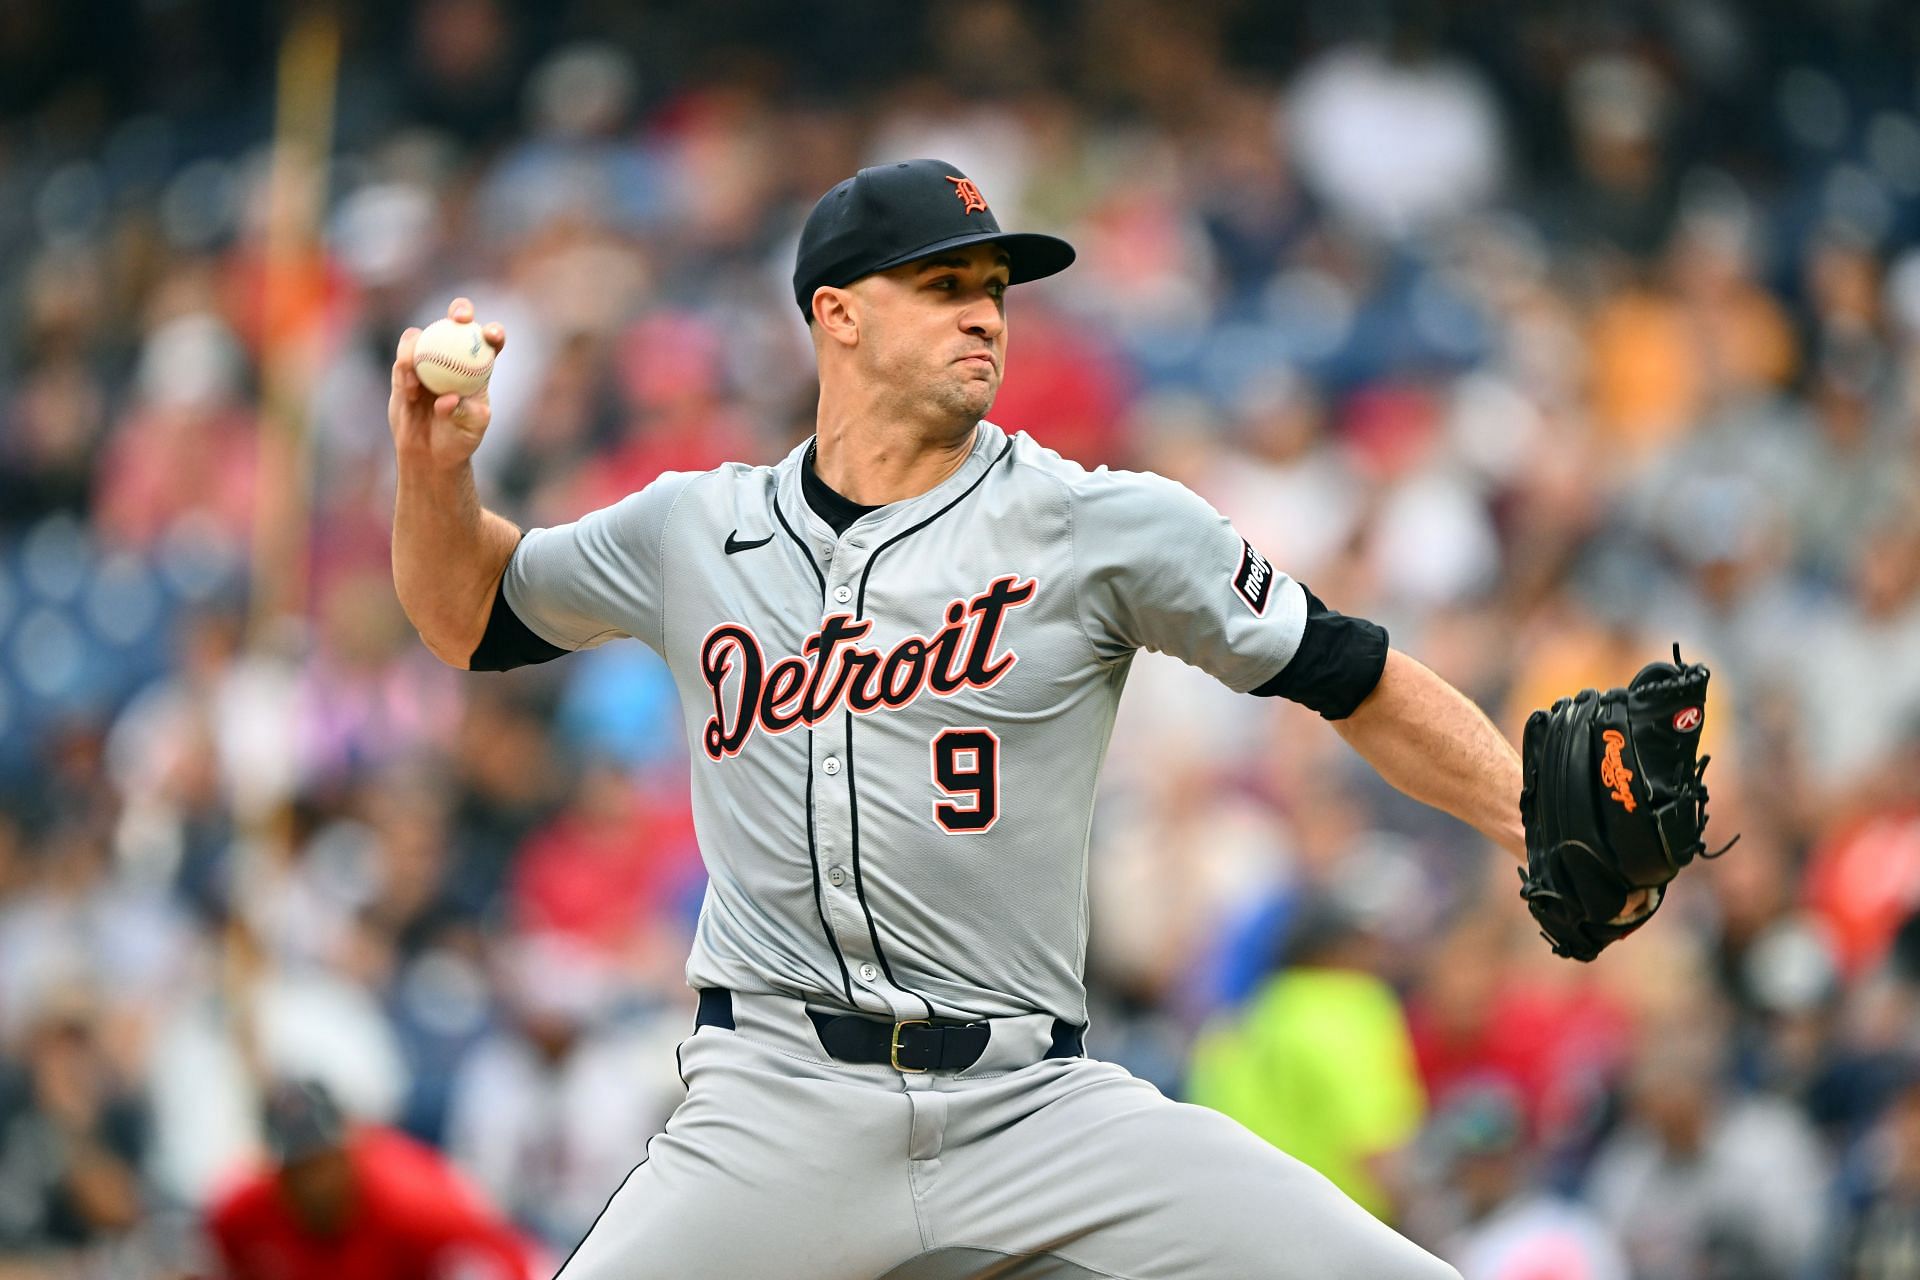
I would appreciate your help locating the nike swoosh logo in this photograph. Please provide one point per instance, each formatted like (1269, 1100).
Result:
(734, 544)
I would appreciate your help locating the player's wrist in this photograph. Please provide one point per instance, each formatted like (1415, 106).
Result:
(435, 463)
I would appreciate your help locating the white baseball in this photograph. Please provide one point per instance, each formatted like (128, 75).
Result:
(453, 357)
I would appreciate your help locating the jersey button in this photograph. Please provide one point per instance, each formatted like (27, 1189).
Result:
(843, 593)
(837, 876)
(868, 973)
(830, 766)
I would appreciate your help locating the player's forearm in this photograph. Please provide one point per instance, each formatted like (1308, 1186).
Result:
(448, 555)
(1431, 742)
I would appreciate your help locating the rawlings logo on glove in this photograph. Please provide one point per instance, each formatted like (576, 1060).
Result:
(1613, 773)
(1614, 803)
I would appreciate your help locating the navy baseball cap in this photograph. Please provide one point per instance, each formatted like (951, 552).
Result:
(889, 214)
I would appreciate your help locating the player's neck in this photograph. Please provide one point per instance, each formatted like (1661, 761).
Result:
(892, 463)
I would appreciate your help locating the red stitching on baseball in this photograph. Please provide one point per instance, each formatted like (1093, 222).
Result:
(456, 365)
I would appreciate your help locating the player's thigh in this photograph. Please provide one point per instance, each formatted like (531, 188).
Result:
(1112, 1176)
(759, 1174)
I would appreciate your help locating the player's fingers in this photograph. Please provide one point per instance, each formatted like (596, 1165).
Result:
(404, 378)
(472, 414)
(444, 406)
(460, 311)
(496, 336)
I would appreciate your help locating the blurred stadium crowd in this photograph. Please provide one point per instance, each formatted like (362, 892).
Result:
(1543, 333)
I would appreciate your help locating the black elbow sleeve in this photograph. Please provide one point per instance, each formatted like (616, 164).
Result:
(1337, 665)
(508, 642)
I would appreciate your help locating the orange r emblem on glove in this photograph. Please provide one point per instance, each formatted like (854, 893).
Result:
(1614, 772)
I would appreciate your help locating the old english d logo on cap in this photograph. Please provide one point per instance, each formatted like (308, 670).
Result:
(969, 194)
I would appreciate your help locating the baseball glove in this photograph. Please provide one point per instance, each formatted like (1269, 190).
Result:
(1613, 801)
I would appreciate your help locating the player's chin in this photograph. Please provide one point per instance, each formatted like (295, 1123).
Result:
(983, 399)
(972, 394)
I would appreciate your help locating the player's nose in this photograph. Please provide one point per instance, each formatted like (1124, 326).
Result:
(982, 318)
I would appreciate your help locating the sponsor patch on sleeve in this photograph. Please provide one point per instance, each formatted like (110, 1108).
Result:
(1253, 583)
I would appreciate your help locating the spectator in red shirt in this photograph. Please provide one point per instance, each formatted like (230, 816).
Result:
(608, 866)
(363, 1202)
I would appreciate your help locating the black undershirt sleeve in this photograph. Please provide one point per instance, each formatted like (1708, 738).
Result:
(1337, 665)
(508, 642)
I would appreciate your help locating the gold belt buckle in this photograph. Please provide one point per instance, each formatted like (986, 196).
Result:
(894, 1055)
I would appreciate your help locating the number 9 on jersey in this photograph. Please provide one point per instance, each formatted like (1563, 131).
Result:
(966, 768)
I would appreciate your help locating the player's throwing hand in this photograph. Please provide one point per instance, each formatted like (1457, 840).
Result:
(440, 431)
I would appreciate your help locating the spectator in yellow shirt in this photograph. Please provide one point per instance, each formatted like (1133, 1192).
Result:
(1319, 1062)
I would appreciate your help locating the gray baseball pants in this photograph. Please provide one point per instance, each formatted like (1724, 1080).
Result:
(784, 1164)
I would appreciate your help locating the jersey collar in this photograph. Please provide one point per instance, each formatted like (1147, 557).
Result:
(988, 441)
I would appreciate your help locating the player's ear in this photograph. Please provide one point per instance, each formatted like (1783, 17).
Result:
(836, 314)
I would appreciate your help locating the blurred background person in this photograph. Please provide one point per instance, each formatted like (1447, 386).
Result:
(1320, 1063)
(72, 1135)
(346, 1200)
(1882, 1204)
(1701, 1181)
(1510, 1224)
(553, 1108)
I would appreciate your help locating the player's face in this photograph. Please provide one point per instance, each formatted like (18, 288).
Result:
(935, 329)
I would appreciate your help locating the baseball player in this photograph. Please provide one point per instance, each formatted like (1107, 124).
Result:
(899, 651)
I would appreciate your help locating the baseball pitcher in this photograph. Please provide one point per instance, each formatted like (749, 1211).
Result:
(899, 651)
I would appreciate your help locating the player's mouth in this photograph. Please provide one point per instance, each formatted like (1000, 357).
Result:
(981, 358)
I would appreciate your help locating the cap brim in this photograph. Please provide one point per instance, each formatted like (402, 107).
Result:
(1030, 255)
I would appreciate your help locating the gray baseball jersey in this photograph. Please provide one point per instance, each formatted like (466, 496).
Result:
(896, 732)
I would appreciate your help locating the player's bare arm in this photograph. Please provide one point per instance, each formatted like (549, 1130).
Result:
(1430, 741)
(448, 550)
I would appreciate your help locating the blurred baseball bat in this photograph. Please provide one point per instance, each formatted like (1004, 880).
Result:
(293, 307)
(292, 316)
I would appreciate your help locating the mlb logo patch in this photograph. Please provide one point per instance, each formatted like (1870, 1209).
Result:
(1253, 583)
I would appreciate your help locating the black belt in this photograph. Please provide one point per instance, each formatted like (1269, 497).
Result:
(918, 1044)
